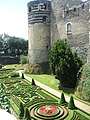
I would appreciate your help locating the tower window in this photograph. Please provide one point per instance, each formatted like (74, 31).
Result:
(69, 28)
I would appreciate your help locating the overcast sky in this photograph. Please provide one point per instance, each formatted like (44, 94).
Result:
(13, 18)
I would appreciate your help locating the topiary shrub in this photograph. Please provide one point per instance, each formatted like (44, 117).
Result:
(33, 82)
(83, 87)
(62, 99)
(23, 76)
(21, 111)
(27, 115)
(64, 63)
(71, 104)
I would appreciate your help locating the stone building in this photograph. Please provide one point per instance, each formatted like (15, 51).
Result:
(49, 21)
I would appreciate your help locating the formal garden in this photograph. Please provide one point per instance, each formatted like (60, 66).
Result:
(30, 102)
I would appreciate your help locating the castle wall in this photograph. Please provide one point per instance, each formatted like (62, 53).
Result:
(78, 17)
(39, 42)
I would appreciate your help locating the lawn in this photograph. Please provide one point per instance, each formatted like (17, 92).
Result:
(50, 81)
(46, 80)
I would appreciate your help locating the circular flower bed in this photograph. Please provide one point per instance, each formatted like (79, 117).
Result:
(48, 110)
(43, 111)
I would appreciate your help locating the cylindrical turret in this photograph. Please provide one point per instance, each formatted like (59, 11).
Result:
(39, 30)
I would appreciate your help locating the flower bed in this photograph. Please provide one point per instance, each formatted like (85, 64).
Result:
(48, 110)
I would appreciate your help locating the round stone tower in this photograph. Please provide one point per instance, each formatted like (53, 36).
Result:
(39, 30)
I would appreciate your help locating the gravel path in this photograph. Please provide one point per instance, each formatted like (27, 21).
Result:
(78, 104)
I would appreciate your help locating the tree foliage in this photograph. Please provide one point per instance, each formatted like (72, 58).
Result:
(64, 63)
(23, 59)
(83, 87)
(13, 45)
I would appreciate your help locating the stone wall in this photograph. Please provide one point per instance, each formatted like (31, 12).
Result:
(78, 17)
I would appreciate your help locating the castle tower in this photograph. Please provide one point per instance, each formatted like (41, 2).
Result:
(39, 30)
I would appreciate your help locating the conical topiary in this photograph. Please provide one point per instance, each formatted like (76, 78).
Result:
(21, 111)
(27, 115)
(33, 82)
(22, 75)
(71, 104)
(62, 99)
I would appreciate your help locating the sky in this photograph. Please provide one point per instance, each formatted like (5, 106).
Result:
(13, 18)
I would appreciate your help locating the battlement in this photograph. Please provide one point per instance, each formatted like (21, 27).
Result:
(75, 11)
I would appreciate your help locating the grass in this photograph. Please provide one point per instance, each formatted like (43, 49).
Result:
(50, 81)
(46, 80)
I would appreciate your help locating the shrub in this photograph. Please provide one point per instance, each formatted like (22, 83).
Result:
(27, 115)
(23, 59)
(33, 82)
(22, 75)
(21, 110)
(71, 104)
(33, 69)
(83, 87)
(64, 63)
(62, 99)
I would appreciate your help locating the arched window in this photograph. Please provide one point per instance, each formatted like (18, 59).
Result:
(69, 28)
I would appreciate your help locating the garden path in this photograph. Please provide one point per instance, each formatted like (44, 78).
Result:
(78, 104)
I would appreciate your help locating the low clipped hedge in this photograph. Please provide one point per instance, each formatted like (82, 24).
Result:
(78, 116)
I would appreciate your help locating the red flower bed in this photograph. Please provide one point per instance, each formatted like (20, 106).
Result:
(48, 110)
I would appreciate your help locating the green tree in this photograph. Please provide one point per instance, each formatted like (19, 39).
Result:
(27, 115)
(1, 43)
(64, 63)
(15, 46)
(21, 111)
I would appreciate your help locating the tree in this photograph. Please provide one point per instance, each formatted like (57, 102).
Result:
(21, 110)
(1, 42)
(15, 46)
(27, 115)
(64, 63)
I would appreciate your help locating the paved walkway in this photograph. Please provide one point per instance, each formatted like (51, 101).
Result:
(78, 104)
